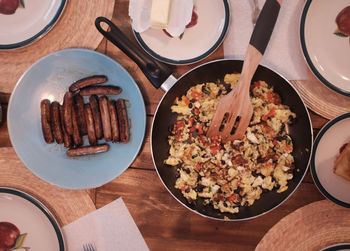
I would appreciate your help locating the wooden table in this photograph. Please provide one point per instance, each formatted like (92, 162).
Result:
(164, 223)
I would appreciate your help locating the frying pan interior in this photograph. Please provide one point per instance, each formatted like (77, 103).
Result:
(300, 131)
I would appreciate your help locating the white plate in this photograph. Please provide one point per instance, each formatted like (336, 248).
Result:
(328, 141)
(32, 217)
(30, 23)
(327, 54)
(197, 42)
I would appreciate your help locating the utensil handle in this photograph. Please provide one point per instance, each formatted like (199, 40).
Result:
(155, 71)
(264, 25)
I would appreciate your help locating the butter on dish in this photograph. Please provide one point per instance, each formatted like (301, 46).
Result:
(171, 15)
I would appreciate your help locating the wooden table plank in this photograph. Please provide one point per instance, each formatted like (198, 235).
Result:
(166, 224)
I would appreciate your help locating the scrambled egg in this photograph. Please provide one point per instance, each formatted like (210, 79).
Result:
(232, 174)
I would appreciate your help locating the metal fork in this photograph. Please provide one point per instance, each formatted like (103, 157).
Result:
(89, 247)
(256, 11)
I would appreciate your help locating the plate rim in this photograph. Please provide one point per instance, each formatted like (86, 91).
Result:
(195, 59)
(338, 246)
(41, 33)
(307, 56)
(312, 163)
(85, 185)
(42, 208)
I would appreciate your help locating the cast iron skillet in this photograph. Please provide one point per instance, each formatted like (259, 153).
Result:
(157, 73)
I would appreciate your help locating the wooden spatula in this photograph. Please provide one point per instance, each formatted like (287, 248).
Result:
(234, 110)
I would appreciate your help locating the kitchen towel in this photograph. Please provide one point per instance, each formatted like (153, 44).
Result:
(283, 54)
(108, 228)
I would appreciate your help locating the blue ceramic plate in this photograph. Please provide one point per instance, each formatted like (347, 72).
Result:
(49, 78)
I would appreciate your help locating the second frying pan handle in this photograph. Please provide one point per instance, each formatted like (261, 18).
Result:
(264, 25)
(156, 72)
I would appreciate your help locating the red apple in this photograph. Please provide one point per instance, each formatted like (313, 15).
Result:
(8, 235)
(343, 21)
(8, 7)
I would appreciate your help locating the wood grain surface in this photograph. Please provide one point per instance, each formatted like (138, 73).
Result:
(75, 28)
(164, 223)
(66, 205)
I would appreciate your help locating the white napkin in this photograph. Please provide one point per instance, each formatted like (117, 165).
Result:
(109, 228)
(283, 53)
(179, 16)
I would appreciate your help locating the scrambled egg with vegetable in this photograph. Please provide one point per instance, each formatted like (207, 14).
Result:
(235, 173)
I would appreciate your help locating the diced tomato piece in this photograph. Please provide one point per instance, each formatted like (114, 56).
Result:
(196, 111)
(200, 129)
(271, 113)
(183, 188)
(180, 124)
(185, 99)
(214, 149)
(196, 95)
(192, 129)
(256, 84)
(198, 166)
(232, 198)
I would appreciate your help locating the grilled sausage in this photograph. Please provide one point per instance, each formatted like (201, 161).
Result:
(86, 150)
(90, 125)
(106, 120)
(67, 112)
(114, 121)
(124, 133)
(78, 141)
(92, 80)
(96, 115)
(100, 90)
(46, 121)
(79, 109)
(56, 122)
(67, 139)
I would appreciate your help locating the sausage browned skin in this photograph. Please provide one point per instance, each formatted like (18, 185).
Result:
(114, 120)
(78, 141)
(91, 80)
(124, 133)
(46, 121)
(87, 150)
(96, 115)
(67, 114)
(106, 120)
(67, 139)
(56, 122)
(100, 90)
(79, 109)
(90, 125)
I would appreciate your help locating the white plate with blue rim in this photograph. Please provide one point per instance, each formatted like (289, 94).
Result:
(49, 78)
(23, 22)
(36, 225)
(329, 140)
(326, 49)
(197, 42)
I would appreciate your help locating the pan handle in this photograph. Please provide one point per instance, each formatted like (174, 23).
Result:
(156, 72)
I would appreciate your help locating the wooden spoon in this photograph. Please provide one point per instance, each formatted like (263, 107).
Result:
(234, 110)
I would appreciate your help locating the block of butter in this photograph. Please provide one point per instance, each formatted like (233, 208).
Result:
(160, 13)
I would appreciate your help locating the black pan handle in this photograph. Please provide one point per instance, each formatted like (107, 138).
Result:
(264, 25)
(155, 71)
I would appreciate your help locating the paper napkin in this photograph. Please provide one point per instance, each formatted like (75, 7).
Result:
(283, 53)
(109, 228)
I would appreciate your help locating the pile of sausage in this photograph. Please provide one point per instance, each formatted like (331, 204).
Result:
(99, 119)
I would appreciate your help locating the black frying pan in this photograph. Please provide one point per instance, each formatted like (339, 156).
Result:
(160, 76)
